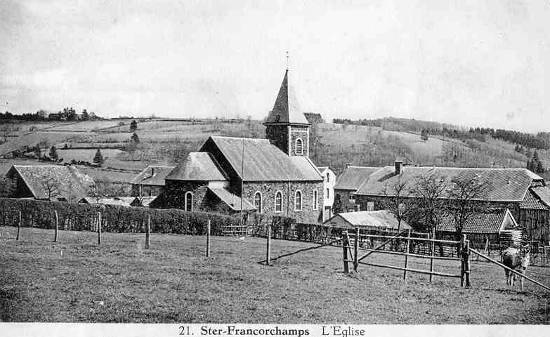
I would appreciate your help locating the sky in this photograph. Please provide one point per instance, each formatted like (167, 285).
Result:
(467, 62)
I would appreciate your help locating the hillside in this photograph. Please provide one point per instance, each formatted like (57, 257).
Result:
(169, 142)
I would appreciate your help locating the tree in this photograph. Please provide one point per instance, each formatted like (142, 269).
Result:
(133, 126)
(53, 153)
(467, 197)
(424, 135)
(98, 158)
(37, 151)
(50, 187)
(85, 115)
(7, 187)
(396, 200)
(135, 138)
(429, 203)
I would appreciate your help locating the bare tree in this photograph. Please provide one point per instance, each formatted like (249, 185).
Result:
(51, 188)
(7, 187)
(430, 203)
(467, 197)
(396, 200)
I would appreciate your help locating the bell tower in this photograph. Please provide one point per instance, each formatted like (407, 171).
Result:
(286, 126)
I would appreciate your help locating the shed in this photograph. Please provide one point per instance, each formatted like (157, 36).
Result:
(370, 220)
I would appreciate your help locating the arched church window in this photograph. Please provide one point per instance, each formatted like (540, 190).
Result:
(298, 201)
(258, 201)
(278, 201)
(188, 202)
(299, 146)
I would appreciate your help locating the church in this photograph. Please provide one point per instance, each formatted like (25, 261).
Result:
(272, 176)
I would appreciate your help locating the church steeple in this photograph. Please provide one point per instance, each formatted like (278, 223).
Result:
(286, 125)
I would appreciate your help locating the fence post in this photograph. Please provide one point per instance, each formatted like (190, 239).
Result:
(345, 247)
(407, 254)
(356, 250)
(98, 228)
(148, 232)
(467, 264)
(19, 225)
(432, 253)
(268, 248)
(208, 238)
(56, 226)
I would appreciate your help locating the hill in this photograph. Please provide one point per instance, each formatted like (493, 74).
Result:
(164, 141)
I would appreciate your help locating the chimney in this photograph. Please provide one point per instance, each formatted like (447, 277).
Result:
(398, 166)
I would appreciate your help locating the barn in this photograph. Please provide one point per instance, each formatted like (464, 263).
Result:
(377, 221)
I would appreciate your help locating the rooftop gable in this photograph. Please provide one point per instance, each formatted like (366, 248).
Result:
(503, 184)
(152, 175)
(353, 177)
(258, 160)
(197, 166)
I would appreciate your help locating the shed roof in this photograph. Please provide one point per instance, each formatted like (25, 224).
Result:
(503, 184)
(482, 223)
(543, 193)
(232, 200)
(353, 177)
(153, 175)
(286, 108)
(532, 201)
(65, 181)
(116, 201)
(197, 166)
(263, 161)
(378, 219)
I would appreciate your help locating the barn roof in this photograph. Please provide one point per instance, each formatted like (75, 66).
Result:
(263, 161)
(232, 200)
(63, 181)
(543, 194)
(532, 201)
(286, 109)
(353, 176)
(152, 175)
(198, 166)
(116, 201)
(481, 223)
(502, 184)
(378, 219)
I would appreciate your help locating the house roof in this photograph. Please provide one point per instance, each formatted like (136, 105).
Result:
(286, 108)
(543, 193)
(481, 223)
(379, 219)
(197, 166)
(532, 201)
(502, 184)
(263, 161)
(142, 201)
(152, 175)
(62, 181)
(353, 176)
(232, 200)
(116, 201)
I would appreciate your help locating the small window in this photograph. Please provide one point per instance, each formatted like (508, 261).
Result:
(258, 201)
(278, 202)
(188, 202)
(328, 177)
(328, 193)
(370, 206)
(315, 197)
(299, 146)
(298, 201)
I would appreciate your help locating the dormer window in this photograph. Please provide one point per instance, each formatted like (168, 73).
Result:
(299, 146)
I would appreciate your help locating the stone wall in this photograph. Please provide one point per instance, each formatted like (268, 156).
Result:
(302, 133)
(174, 194)
(278, 135)
(268, 191)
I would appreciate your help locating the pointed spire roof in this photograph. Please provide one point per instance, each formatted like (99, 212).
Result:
(286, 109)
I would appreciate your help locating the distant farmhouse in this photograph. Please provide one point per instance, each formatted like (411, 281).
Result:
(347, 183)
(150, 181)
(521, 191)
(272, 176)
(49, 182)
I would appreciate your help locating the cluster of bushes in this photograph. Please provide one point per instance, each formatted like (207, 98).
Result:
(114, 218)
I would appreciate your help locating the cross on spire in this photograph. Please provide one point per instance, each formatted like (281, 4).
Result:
(287, 60)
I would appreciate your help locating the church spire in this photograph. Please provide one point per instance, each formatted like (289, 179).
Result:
(286, 108)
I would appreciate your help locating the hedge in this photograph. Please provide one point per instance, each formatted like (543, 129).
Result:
(114, 218)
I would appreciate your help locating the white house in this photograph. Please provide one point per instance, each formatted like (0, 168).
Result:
(329, 180)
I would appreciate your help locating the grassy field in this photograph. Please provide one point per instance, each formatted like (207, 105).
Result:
(74, 280)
